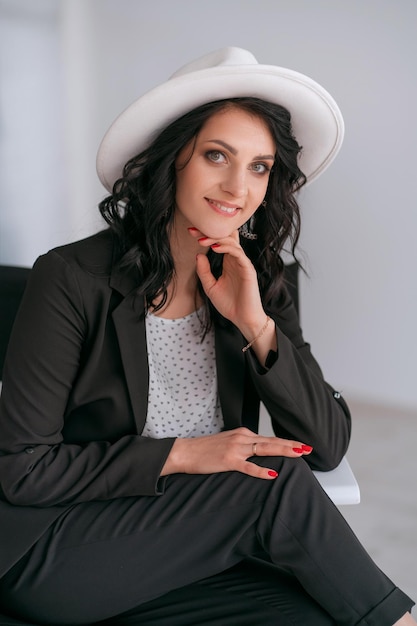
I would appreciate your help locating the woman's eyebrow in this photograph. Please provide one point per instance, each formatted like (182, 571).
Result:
(228, 147)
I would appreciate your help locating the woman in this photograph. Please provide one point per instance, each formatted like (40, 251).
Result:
(135, 489)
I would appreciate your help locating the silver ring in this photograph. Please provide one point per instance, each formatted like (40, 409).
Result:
(254, 449)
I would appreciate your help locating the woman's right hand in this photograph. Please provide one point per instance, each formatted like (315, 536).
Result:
(229, 451)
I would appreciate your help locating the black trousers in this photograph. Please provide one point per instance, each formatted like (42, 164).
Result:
(186, 557)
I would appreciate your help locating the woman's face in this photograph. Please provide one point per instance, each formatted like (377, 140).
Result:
(222, 178)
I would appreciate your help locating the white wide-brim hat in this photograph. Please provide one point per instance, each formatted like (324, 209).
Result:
(227, 73)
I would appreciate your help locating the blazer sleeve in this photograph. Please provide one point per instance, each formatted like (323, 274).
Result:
(37, 467)
(302, 405)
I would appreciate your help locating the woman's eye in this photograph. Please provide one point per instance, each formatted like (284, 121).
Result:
(260, 168)
(216, 156)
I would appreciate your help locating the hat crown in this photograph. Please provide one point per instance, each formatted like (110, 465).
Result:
(230, 72)
(218, 58)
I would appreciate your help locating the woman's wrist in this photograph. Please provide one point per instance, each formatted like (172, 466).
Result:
(261, 339)
(258, 335)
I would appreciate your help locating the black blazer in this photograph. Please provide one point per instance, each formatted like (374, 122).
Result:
(75, 390)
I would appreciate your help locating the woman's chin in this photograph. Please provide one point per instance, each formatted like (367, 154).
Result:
(218, 233)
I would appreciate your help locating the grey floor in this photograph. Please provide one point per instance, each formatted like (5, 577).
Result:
(383, 456)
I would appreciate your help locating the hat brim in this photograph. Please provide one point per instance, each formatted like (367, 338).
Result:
(316, 119)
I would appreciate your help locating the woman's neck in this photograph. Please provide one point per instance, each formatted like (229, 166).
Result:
(180, 302)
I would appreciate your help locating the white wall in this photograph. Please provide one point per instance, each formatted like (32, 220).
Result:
(360, 304)
(32, 204)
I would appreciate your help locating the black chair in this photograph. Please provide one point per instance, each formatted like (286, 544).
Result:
(12, 285)
(10, 621)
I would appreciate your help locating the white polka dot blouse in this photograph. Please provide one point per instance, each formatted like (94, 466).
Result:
(183, 399)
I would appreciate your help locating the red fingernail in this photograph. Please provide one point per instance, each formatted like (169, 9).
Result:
(272, 473)
(202, 239)
(215, 245)
(191, 228)
(307, 448)
(298, 450)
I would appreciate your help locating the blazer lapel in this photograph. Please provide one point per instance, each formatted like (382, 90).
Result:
(230, 373)
(128, 318)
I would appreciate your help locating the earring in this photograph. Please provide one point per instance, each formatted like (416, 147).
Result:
(264, 203)
(246, 230)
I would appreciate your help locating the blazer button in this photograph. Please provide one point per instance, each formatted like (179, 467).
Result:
(29, 450)
(336, 395)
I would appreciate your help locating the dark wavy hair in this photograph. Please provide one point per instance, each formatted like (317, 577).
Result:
(140, 210)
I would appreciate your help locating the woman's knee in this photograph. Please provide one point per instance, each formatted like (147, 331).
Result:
(287, 466)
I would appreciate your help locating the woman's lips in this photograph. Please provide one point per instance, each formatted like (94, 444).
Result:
(224, 208)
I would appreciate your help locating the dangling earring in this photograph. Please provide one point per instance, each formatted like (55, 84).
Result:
(264, 203)
(246, 230)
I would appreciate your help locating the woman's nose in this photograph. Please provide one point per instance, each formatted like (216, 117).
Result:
(235, 182)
